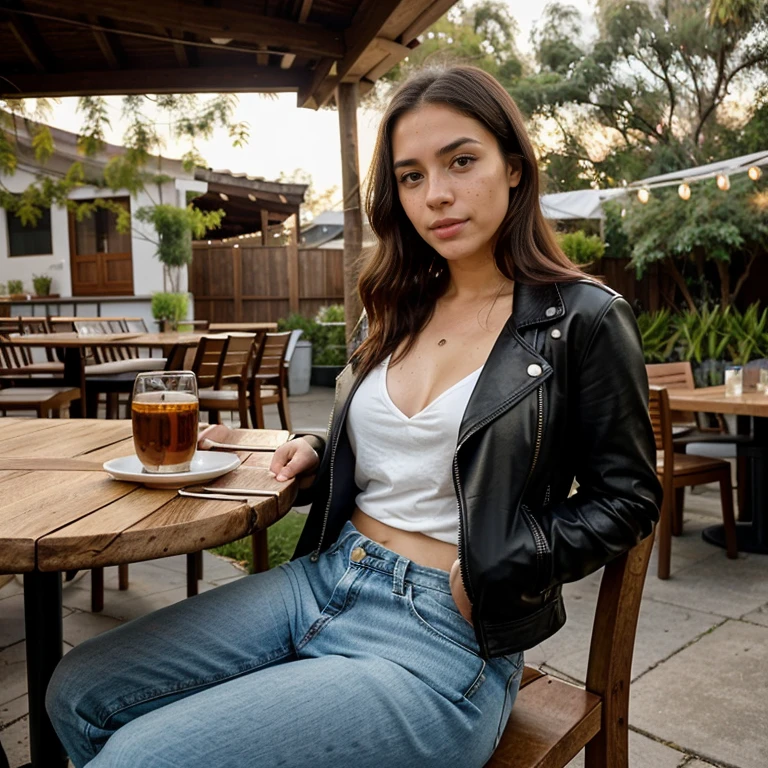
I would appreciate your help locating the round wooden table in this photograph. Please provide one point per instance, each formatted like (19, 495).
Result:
(60, 511)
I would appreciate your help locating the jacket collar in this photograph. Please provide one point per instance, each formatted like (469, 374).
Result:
(536, 304)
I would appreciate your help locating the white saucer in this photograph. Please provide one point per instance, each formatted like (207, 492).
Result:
(206, 465)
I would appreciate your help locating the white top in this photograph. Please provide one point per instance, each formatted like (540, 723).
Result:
(404, 466)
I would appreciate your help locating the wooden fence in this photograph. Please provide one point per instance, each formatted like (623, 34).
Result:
(235, 283)
(253, 283)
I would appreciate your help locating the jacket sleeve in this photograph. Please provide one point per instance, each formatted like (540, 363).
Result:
(307, 495)
(619, 494)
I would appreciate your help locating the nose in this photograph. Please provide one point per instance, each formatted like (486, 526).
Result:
(439, 192)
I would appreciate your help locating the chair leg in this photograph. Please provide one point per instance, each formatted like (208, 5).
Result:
(122, 576)
(742, 469)
(260, 550)
(257, 409)
(112, 403)
(664, 538)
(677, 517)
(729, 522)
(191, 574)
(199, 564)
(97, 590)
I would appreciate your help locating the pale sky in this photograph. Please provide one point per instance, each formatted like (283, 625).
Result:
(283, 137)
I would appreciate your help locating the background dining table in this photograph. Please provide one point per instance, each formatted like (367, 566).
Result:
(60, 511)
(753, 534)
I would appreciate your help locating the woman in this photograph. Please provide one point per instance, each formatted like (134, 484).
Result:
(441, 529)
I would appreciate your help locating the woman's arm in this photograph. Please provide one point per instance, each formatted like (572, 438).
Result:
(619, 494)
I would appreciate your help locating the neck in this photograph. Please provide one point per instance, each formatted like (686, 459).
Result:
(475, 279)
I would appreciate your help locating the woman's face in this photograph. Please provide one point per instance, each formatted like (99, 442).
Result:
(452, 180)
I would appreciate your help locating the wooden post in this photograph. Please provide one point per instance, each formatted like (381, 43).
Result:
(346, 99)
(264, 226)
(293, 265)
(237, 283)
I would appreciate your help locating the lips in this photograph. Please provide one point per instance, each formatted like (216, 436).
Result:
(446, 228)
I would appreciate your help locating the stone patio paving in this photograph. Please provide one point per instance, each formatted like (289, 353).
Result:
(700, 672)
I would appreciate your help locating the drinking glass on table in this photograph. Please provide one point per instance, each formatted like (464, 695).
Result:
(762, 383)
(164, 413)
(734, 381)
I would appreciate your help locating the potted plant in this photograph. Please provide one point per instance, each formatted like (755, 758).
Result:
(169, 308)
(329, 346)
(42, 285)
(16, 289)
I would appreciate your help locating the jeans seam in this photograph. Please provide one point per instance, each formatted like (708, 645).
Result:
(437, 633)
(188, 686)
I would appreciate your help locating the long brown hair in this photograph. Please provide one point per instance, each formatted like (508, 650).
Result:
(404, 276)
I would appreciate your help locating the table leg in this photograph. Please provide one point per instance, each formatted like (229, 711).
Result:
(73, 378)
(44, 638)
(752, 536)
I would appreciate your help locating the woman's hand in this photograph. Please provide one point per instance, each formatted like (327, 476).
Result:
(459, 594)
(293, 458)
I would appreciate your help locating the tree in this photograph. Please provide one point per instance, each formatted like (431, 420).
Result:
(315, 201)
(651, 93)
(482, 34)
(187, 119)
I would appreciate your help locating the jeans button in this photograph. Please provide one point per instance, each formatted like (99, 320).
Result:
(357, 554)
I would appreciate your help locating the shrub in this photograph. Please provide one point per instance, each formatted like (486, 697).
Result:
(170, 306)
(581, 248)
(42, 284)
(15, 286)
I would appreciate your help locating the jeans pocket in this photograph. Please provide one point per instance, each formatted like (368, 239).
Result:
(451, 660)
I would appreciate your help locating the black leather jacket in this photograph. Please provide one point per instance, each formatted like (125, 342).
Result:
(563, 395)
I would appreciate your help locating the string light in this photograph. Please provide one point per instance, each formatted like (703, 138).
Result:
(754, 173)
(723, 182)
(684, 190)
(643, 195)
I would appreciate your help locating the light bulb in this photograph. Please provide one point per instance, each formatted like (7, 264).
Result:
(723, 182)
(684, 190)
(754, 173)
(623, 212)
(643, 195)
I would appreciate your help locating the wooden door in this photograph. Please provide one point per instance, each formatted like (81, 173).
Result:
(100, 256)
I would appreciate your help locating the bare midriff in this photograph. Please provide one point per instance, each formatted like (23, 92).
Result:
(417, 547)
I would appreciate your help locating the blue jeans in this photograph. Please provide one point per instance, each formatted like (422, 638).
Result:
(359, 659)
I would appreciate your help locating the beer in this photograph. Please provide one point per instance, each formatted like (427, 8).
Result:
(165, 430)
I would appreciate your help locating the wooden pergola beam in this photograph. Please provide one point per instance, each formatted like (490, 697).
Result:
(178, 80)
(29, 39)
(229, 22)
(108, 45)
(303, 15)
(369, 20)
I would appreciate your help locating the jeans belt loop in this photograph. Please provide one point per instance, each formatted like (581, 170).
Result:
(398, 577)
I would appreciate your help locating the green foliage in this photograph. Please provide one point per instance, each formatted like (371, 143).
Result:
(42, 284)
(711, 334)
(175, 228)
(328, 338)
(282, 539)
(170, 306)
(650, 93)
(15, 287)
(581, 248)
(3, 289)
(617, 244)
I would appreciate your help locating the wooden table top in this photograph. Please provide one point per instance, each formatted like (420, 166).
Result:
(68, 514)
(245, 327)
(63, 340)
(714, 400)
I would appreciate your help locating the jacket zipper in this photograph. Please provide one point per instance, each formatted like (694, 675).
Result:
(538, 534)
(457, 479)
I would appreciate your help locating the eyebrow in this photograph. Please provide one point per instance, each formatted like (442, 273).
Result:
(440, 152)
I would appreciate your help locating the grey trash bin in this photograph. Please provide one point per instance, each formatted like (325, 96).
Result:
(300, 368)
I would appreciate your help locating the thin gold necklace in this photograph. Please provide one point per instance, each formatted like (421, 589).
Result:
(443, 342)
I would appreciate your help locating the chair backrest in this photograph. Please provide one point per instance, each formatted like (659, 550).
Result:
(237, 360)
(61, 324)
(273, 358)
(10, 325)
(134, 325)
(12, 355)
(661, 419)
(674, 376)
(207, 362)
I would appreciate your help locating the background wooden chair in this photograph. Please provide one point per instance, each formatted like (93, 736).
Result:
(240, 358)
(270, 383)
(552, 721)
(691, 434)
(678, 470)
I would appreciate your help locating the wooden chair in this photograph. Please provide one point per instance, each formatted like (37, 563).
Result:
(43, 400)
(678, 470)
(270, 384)
(241, 356)
(689, 428)
(17, 364)
(551, 720)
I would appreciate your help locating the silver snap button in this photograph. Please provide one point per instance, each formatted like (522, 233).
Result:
(556, 333)
(534, 369)
(551, 312)
(357, 554)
